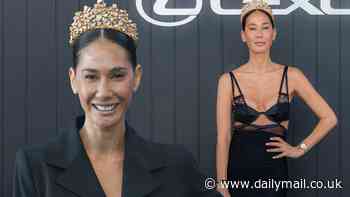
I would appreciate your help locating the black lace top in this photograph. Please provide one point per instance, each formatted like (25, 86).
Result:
(244, 115)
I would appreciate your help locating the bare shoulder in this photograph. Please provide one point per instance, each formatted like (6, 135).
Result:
(295, 73)
(225, 85)
(224, 78)
(298, 82)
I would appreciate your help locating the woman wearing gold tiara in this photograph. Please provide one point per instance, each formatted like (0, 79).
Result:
(253, 111)
(103, 155)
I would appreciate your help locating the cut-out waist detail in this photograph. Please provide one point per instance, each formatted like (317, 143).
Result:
(275, 129)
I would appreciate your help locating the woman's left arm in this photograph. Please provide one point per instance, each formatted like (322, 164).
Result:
(302, 87)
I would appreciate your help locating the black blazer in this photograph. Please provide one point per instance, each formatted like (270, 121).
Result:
(61, 168)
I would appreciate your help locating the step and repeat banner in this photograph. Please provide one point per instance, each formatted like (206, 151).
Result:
(184, 46)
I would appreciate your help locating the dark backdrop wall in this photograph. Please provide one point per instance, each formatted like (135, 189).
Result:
(176, 103)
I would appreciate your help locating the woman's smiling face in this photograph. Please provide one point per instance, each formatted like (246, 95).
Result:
(105, 81)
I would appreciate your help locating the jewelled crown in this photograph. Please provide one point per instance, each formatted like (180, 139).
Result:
(250, 5)
(102, 16)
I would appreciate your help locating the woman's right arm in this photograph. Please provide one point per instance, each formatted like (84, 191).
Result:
(23, 184)
(223, 121)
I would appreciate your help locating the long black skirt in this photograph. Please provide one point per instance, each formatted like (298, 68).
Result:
(251, 169)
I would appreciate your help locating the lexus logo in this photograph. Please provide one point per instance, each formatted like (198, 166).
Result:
(160, 9)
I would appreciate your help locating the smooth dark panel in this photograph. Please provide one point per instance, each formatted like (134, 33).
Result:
(344, 101)
(2, 95)
(282, 48)
(163, 81)
(41, 86)
(141, 108)
(122, 3)
(234, 52)
(67, 103)
(187, 83)
(303, 120)
(211, 64)
(15, 85)
(89, 3)
(329, 83)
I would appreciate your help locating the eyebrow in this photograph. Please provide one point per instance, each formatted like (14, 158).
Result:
(253, 24)
(113, 70)
(90, 70)
(117, 69)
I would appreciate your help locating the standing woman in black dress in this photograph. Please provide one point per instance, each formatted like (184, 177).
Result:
(253, 110)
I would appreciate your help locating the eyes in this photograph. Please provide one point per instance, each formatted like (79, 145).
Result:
(113, 76)
(90, 77)
(253, 28)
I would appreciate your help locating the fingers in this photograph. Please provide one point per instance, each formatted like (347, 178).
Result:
(277, 139)
(277, 144)
(274, 150)
(280, 155)
(281, 147)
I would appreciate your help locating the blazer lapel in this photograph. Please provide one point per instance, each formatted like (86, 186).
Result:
(141, 160)
(80, 178)
(77, 174)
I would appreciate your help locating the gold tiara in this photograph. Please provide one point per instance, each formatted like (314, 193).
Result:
(102, 16)
(250, 5)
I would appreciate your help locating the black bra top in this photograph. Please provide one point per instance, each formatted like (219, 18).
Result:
(277, 113)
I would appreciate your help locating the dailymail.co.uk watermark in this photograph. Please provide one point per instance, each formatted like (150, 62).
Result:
(276, 185)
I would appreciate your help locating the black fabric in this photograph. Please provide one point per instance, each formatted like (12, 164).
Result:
(248, 159)
(250, 162)
(62, 168)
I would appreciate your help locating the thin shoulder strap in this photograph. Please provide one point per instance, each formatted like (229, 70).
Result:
(287, 80)
(234, 80)
(232, 84)
(282, 80)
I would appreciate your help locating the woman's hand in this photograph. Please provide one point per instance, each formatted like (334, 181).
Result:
(224, 192)
(278, 145)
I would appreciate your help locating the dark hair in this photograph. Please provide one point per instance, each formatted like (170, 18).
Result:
(109, 34)
(244, 19)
